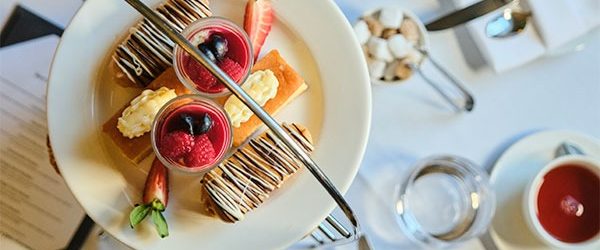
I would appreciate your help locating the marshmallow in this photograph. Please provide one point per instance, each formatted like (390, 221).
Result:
(376, 68)
(414, 56)
(387, 33)
(391, 18)
(378, 48)
(365, 51)
(399, 46)
(410, 30)
(374, 26)
(403, 71)
(390, 71)
(361, 31)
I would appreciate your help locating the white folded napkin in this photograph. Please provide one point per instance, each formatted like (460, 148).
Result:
(560, 21)
(555, 24)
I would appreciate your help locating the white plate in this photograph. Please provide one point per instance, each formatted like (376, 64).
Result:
(510, 176)
(312, 35)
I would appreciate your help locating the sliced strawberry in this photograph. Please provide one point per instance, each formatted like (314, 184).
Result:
(257, 23)
(156, 197)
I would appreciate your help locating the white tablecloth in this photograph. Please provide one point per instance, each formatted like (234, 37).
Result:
(411, 122)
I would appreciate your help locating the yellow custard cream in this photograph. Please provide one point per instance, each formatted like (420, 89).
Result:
(137, 118)
(261, 86)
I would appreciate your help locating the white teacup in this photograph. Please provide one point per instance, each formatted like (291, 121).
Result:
(530, 204)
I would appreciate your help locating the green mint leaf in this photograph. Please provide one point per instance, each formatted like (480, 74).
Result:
(160, 223)
(138, 214)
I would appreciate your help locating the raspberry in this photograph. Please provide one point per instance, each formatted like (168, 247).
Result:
(233, 69)
(202, 152)
(176, 145)
(200, 75)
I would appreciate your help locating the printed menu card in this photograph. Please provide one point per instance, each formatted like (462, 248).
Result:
(37, 210)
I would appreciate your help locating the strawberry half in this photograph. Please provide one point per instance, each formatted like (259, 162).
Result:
(156, 197)
(257, 23)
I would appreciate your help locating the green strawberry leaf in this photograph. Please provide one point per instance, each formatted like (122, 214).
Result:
(138, 214)
(160, 223)
(158, 205)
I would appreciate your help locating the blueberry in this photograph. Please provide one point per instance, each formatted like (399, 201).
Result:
(205, 125)
(195, 126)
(187, 123)
(218, 44)
(206, 49)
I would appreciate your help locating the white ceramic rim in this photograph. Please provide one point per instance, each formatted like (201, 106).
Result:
(424, 40)
(531, 193)
(69, 97)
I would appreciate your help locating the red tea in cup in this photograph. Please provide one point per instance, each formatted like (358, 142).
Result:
(568, 203)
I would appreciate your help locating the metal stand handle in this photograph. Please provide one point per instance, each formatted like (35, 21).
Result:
(174, 35)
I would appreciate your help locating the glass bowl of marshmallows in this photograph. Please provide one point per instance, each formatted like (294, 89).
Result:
(391, 39)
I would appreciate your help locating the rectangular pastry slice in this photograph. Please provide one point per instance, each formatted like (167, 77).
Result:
(291, 85)
(146, 53)
(245, 180)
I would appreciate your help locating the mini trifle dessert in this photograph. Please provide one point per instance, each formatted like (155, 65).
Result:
(191, 134)
(225, 44)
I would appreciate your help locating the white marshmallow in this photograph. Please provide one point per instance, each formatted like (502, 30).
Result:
(378, 47)
(414, 56)
(391, 18)
(361, 31)
(410, 30)
(376, 68)
(399, 46)
(390, 71)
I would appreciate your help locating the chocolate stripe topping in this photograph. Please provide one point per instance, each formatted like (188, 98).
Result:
(245, 180)
(146, 52)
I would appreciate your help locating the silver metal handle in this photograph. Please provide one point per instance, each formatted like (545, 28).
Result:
(460, 98)
(176, 37)
(567, 148)
(488, 241)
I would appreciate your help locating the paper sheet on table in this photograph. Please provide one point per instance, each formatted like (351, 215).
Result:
(58, 12)
(36, 209)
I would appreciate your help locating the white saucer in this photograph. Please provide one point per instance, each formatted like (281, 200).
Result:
(511, 174)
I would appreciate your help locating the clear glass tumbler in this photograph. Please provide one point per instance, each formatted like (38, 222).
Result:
(446, 200)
